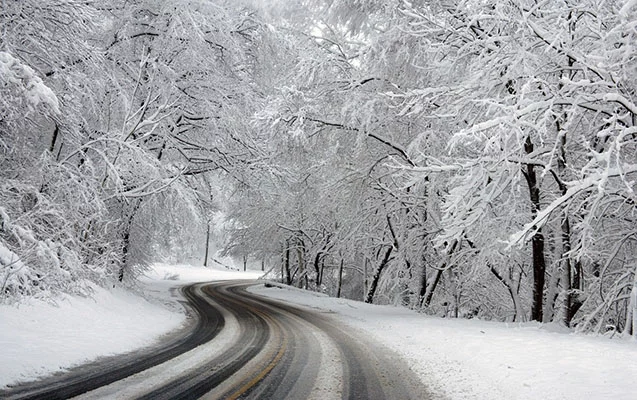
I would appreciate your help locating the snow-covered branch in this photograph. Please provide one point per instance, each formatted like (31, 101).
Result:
(590, 183)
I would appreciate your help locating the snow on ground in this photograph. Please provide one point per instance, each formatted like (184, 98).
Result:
(458, 359)
(185, 274)
(472, 359)
(39, 338)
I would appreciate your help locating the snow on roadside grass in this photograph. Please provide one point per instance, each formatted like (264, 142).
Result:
(472, 359)
(37, 338)
(189, 274)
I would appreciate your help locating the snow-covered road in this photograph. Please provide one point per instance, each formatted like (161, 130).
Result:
(244, 346)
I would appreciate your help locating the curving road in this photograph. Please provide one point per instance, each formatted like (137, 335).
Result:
(243, 346)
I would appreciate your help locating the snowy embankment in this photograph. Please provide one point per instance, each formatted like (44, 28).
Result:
(472, 359)
(38, 338)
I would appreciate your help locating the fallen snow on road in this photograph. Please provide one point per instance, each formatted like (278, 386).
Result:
(472, 359)
(39, 338)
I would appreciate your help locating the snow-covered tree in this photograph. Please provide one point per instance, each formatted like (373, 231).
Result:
(108, 111)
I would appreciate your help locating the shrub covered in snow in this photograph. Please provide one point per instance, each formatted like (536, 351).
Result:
(21, 83)
(42, 251)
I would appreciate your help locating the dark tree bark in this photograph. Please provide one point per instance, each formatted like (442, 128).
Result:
(407, 293)
(340, 279)
(286, 263)
(318, 270)
(537, 241)
(54, 138)
(572, 267)
(369, 298)
(126, 233)
(425, 299)
(205, 259)
(423, 285)
(515, 298)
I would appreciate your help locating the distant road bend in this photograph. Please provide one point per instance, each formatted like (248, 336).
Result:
(242, 346)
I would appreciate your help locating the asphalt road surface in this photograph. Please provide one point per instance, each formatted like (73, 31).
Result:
(242, 346)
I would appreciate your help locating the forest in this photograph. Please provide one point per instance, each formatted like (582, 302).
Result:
(464, 158)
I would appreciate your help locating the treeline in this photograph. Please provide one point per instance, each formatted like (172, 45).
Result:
(465, 158)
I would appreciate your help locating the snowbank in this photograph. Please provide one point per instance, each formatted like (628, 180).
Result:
(38, 338)
(472, 359)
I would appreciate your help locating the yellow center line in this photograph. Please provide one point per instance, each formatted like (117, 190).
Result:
(261, 374)
(257, 378)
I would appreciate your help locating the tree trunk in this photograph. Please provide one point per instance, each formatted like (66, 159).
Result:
(631, 312)
(572, 301)
(286, 263)
(365, 281)
(374, 284)
(571, 268)
(423, 285)
(54, 138)
(407, 293)
(455, 291)
(340, 279)
(515, 298)
(537, 241)
(425, 300)
(300, 254)
(429, 294)
(322, 268)
(126, 239)
(317, 269)
(205, 259)
(125, 248)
